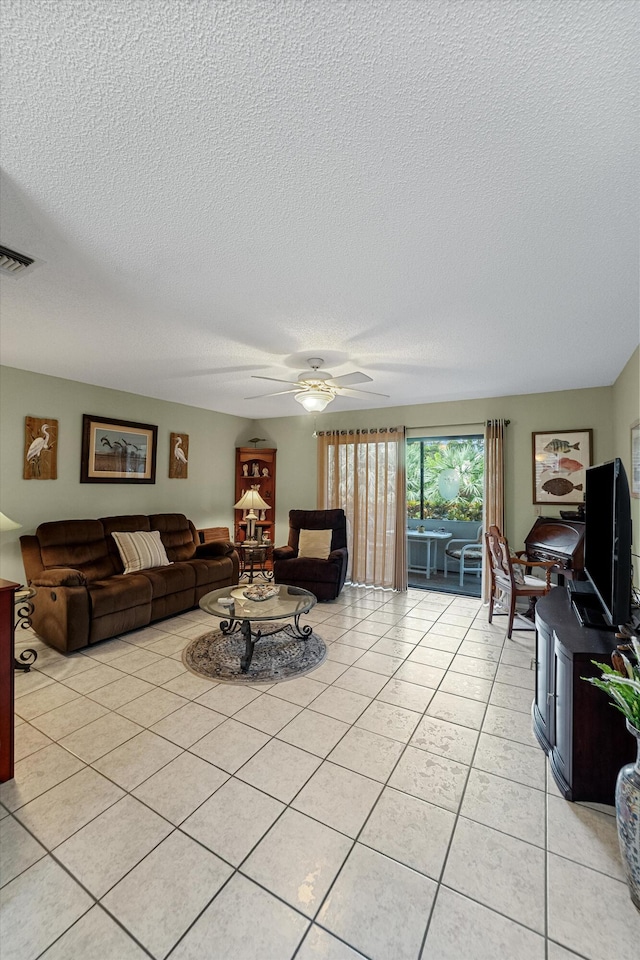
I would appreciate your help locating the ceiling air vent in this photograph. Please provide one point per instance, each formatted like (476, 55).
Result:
(13, 264)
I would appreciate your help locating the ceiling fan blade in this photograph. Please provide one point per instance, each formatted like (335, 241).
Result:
(278, 393)
(348, 379)
(346, 391)
(255, 376)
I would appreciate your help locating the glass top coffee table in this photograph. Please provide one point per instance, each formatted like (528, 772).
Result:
(259, 618)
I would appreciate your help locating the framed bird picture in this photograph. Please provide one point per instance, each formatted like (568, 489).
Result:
(117, 451)
(40, 448)
(178, 456)
(560, 461)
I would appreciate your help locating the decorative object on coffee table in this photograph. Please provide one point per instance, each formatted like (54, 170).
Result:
(622, 683)
(260, 592)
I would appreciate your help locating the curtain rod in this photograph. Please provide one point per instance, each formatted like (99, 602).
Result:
(474, 423)
(351, 431)
(356, 431)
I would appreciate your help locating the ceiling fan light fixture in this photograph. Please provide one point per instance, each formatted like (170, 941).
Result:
(314, 401)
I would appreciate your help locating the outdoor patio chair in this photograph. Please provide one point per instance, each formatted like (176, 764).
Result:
(468, 553)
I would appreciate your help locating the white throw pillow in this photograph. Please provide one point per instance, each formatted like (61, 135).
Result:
(141, 550)
(315, 543)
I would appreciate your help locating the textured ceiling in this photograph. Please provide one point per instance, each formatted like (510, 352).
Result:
(443, 195)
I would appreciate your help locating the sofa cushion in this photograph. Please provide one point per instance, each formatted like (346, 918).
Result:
(80, 544)
(118, 593)
(314, 543)
(178, 535)
(307, 569)
(208, 570)
(60, 577)
(140, 550)
(214, 549)
(175, 578)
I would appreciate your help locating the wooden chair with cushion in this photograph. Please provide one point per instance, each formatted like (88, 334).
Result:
(316, 556)
(508, 579)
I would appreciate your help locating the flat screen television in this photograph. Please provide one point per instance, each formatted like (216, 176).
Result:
(607, 539)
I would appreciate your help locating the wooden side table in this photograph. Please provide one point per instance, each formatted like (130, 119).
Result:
(254, 558)
(7, 604)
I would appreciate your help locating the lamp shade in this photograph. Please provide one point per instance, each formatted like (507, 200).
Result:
(251, 500)
(7, 524)
(314, 401)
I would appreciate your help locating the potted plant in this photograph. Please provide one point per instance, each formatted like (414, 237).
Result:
(621, 682)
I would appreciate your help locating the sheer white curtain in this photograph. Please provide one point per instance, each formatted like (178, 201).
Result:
(363, 471)
(493, 486)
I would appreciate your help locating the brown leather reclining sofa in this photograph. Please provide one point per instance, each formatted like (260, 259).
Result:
(82, 594)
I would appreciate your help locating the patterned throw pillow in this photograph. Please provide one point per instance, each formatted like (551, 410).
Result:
(315, 543)
(141, 550)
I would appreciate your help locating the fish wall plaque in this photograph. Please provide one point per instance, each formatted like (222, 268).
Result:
(560, 461)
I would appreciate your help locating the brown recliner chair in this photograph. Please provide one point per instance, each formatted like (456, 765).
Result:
(324, 578)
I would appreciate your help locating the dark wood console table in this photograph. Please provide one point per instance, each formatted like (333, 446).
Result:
(7, 601)
(584, 736)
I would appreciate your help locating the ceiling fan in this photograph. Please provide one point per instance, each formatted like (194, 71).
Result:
(316, 389)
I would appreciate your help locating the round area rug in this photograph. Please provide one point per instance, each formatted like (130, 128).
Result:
(280, 656)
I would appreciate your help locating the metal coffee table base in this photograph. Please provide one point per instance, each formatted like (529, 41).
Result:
(251, 637)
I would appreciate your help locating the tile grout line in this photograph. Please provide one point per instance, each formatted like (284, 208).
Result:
(386, 783)
(229, 776)
(367, 818)
(76, 880)
(287, 807)
(457, 819)
(323, 759)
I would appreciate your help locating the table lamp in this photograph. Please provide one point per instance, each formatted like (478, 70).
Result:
(251, 500)
(6, 523)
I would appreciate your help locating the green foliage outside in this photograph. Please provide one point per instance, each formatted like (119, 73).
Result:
(466, 458)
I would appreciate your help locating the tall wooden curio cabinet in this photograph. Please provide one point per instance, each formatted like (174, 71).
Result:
(256, 467)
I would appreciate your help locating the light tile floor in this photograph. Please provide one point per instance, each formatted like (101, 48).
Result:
(392, 805)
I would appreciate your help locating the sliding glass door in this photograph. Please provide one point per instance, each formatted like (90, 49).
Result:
(445, 485)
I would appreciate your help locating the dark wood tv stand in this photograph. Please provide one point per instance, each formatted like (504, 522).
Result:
(584, 736)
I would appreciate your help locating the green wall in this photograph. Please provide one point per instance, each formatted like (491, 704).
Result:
(593, 408)
(206, 497)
